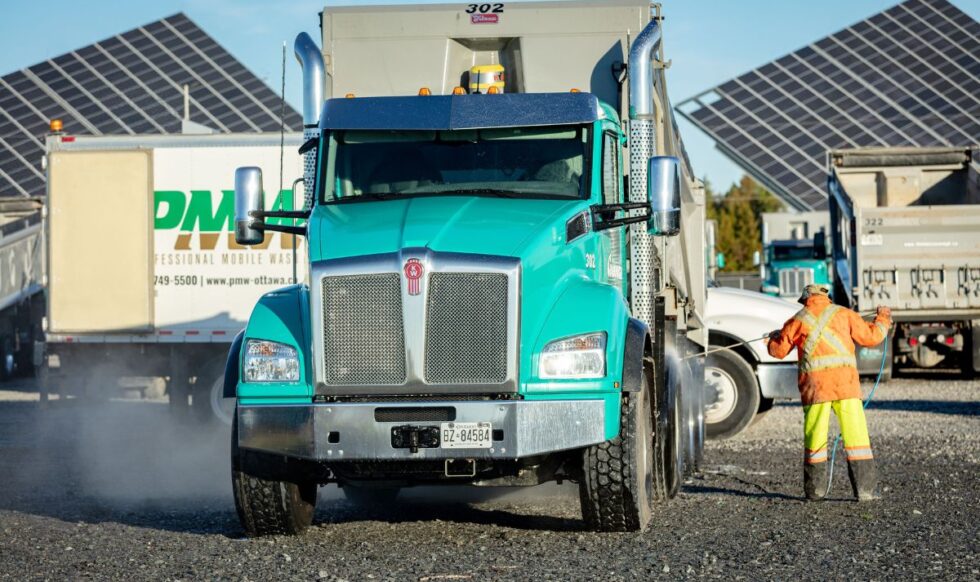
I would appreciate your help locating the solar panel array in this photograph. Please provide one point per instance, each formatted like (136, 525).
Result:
(908, 76)
(129, 84)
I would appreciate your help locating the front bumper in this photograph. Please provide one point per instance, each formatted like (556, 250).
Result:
(778, 380)
(349, 431)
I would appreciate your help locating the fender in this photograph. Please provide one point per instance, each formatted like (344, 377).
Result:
(281, 316)
(636, 348)
(232, 365)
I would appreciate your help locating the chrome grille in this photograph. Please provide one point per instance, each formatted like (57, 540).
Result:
(363, 334)
(792, 281)
(466, 328)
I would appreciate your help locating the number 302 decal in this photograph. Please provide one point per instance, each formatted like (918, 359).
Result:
(495, 8)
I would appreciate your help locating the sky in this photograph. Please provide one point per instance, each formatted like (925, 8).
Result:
(709, 41)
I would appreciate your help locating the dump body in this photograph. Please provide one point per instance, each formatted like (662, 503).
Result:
(169, 299)
(906, 233)
(21, 262)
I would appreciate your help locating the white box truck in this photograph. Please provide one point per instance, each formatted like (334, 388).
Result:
(143, 276)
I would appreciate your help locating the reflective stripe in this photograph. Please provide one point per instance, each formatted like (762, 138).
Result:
(813, 457)
(835, 342)
(824, 362)
(818, 330)
(804, 316)
(862, 452)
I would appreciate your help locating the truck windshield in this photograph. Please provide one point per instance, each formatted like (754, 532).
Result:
(793, 253)
(545, 162)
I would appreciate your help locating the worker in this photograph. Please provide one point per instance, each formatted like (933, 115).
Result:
(825, 335)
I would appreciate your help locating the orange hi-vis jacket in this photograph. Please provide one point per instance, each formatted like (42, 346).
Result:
(825, 335)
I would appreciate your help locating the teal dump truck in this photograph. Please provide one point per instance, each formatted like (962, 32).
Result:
(499, 292)
(790, 265)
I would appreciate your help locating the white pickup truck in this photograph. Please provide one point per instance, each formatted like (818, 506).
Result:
(744, 381)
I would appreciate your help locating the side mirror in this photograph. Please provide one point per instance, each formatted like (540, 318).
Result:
(248, 198)
(720, 260)
(756, 259)
(664, 196)
(820, 245)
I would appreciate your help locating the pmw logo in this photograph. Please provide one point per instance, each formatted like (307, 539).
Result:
(209, 217)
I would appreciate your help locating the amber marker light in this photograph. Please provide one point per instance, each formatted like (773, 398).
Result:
(459, 91)
(56, 126)
(424, 91)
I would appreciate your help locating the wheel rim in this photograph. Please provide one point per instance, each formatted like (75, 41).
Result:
(722, 395)
(222, 408)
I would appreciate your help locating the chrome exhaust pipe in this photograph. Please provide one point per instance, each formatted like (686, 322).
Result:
(645, 281)
(311, 61)
(640, 72)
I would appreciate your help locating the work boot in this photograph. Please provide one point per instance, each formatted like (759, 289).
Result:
(864, 479)
(815, 481)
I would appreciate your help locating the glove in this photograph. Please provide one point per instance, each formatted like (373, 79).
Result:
(883, 311)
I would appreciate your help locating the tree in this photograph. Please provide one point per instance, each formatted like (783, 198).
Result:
(738, 220)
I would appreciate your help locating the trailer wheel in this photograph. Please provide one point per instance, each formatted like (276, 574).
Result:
(616, 489)
(267, 507)
(733, 395)
(370, 496)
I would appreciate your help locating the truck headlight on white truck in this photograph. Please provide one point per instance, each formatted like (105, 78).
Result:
(579, 357)
(266, 361)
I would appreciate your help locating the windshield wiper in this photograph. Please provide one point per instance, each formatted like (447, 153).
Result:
(373, 196)
(491, 191)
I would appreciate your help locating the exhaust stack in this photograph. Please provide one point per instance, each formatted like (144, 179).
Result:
(311, 61)
(645, 279)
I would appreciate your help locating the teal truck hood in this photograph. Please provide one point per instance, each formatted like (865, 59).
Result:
(461, 224)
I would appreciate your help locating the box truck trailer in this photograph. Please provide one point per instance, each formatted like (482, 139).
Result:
(506, 255)
(144, 279)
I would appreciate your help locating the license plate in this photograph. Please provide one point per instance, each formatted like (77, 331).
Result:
(466, 435)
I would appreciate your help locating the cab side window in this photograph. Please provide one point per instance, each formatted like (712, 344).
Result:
(611, 182)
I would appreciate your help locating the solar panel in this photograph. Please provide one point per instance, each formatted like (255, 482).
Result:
(907, 76)
(129, 84)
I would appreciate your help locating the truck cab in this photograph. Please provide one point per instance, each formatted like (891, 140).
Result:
(791, 265)
(478, 310)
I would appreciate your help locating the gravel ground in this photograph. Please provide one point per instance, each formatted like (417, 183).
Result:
(118, 491)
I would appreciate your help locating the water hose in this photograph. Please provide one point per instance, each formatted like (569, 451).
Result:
(867, 401)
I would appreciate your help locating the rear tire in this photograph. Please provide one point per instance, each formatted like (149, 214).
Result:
(616, 489)
(668, 446)
(267, 507)
(733, 395)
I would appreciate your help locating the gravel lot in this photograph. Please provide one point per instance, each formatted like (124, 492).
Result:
(117, 491)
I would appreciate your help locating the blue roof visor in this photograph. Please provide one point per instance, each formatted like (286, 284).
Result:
(441, 112)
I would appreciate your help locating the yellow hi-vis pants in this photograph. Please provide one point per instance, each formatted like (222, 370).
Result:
(853, 428)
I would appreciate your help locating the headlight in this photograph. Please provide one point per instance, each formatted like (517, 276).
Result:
(270, 362)
(581, 356)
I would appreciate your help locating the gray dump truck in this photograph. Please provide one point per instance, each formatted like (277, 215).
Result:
(905, 225)
(21, 301)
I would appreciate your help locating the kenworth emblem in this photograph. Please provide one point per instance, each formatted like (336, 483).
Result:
(413, 272)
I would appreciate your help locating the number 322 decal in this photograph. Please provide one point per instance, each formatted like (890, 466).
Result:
(495, 8)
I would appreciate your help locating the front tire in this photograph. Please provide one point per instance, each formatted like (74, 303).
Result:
(733, 395)
(616, 489)
(267, 507)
